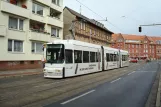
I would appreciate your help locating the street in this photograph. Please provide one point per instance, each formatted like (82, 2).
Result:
(122, 87)
(130, 90)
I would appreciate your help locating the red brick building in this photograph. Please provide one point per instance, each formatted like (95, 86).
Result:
(139, 46)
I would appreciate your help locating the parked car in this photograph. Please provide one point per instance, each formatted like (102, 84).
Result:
(133, 60)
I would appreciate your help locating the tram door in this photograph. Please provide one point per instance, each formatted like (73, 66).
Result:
(103, 59)
(120, 59)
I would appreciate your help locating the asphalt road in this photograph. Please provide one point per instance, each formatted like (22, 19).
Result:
(130, 90)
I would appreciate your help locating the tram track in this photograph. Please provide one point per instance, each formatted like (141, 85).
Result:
(37, 87)
(60, 88)
(53, 82)
(21, 83)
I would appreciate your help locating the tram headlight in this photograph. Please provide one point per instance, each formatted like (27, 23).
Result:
(44, 70)
(57, 70)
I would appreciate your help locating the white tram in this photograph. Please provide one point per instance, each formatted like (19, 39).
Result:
(66, 58)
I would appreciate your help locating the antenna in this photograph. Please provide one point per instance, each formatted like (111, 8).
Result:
(80, 9)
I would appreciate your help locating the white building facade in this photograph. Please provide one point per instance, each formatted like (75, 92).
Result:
(25, 25)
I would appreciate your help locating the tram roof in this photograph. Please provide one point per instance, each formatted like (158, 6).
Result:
(76, 42)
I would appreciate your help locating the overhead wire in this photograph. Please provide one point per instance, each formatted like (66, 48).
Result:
(99, 16)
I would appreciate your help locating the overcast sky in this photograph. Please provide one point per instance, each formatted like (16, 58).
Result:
(124, 16)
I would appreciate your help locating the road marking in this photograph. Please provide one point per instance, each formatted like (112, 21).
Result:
(77, 97)
(131, 72)
(115, 80)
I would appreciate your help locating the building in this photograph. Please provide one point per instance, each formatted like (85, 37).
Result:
(24, 26)
(138, 46)
(79, 27)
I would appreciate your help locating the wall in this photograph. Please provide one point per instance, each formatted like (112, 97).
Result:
(27, 59)
(68, 18)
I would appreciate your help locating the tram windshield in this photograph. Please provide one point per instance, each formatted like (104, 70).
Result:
(55, 53)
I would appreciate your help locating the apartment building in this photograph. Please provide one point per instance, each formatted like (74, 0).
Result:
(24, 26)
(139, 46)
(79, 27)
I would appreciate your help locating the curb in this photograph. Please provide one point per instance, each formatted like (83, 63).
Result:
(158, 93)
(20, 74)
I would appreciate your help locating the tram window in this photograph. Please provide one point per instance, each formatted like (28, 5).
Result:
(98, 57)
(123, 57)
(68, 56)
(117, 57)
(77, 56)
(85, 57)
(114, 56)
(107, 57)
(111, 57)
(92, 56)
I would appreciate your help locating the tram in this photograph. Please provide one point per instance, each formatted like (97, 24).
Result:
(67, 58)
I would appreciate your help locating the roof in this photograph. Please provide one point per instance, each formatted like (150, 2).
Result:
(154, 39)
(92, 21)
(133, 37)
(114, 37)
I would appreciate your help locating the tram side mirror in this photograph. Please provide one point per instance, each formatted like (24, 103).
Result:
(43, 46)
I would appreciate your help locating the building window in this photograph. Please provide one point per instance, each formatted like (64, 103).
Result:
(83, 25)
(37, 47)
(132, 46)
(37, 9)
(15, 23)
(54, 32)
(94, 32)
(129, 45)
(15, 46)
(57, 2)
(90, 31)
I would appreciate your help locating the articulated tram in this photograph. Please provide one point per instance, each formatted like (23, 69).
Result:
(67, 58)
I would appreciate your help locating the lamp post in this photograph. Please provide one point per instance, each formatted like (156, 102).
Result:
(139, 49)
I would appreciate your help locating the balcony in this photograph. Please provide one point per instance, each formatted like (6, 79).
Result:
(38, 32)
(14, 9)
(39, 36)
(3, 31)
(56, 7)
(45, 2)
(55, 22)
(38, 18)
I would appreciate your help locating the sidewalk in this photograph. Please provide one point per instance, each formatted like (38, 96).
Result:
(14, 73)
